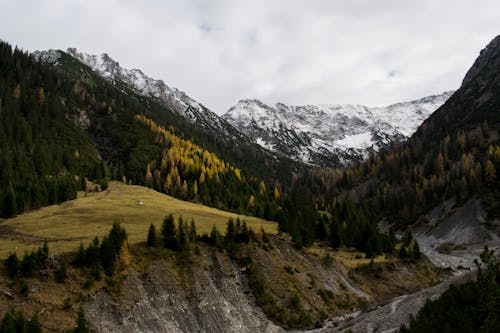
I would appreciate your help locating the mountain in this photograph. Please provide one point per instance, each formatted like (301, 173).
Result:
(172, 98)
(205, 127)
(330, 135)
(444, 180)
(322, 135)
(62, 123)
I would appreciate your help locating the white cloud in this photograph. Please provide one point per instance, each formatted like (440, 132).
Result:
(296, 52)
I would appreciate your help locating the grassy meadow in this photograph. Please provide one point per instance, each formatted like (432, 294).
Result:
(92, 214)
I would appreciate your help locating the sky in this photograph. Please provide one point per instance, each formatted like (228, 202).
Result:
(297, 52)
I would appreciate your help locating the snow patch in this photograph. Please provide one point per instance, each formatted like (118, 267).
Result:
(359, 141)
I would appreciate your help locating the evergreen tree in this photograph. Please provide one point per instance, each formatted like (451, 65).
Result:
(151, 242)
(34, 326)
(9, 204)
(81, 323)
(13, 265)
(182, 233)
(20, 322)
(214, 236)
(168, 232)
(192, 232)
(8, 324)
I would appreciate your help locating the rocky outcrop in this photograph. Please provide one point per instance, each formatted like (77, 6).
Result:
(209, 294)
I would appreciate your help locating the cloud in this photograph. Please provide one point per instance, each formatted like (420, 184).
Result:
(296, 52)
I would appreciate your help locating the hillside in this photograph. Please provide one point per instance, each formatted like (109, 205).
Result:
(266, 284)
(444, 180)
(200, 124)
(109, 131)
(92, 214)
(330, 135)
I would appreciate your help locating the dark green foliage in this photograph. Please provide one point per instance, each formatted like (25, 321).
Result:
(13, 265)
(192, 232)
(181, 237)
(169, 233)
(151, 241)
(182, 233)
(471, 307)
(34, 326)
(102, 254)
(407, 238)
(20, 322)
(31, 263)
(8, 324)
(15, 322)
(41, 147)
(214, 236)
(81, 323)
(409, 249)
(111, 246)
(299, 217)
(9, 207)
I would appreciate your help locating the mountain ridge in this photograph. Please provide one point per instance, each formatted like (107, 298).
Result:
(330, 134)
(318, 135)
(221, 136)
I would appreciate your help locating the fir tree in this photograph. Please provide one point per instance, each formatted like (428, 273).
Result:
(34, 326)
(81, 322)
(168, 232)
(13, 265)
(8, 324)
(151, 242)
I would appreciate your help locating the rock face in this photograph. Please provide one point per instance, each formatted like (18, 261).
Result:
(209, 296)
(327, 135)
(209, 292)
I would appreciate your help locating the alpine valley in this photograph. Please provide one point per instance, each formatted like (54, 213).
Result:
(127, 206)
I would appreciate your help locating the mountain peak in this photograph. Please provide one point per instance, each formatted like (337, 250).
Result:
(172, 98)
(330, 134)
(484, 61)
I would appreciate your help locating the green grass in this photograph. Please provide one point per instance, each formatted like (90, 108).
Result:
(92, 214)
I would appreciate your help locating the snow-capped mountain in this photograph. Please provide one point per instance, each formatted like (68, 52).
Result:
(325, 135)
(144, 85)
(328, 135)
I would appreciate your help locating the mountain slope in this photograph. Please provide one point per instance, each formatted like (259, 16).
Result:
(330, 135)
(444, 179)
(61, 124)
(204, 126)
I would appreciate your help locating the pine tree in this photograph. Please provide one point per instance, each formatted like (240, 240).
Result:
(151, 236)
(182, 233)
(34, 325)
(13, 265)
(9, 204)
(192, 232)
(214, 236)
(81, 322)
(20, 322)
(8, 325)
(169, 233)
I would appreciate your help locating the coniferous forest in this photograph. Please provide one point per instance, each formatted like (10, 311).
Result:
(59, 128)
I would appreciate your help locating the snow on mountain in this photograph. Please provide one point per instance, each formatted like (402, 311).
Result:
(322, 135)
(328, 135)
(144, 85)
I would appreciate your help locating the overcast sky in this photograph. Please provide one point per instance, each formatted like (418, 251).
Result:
(372, 52)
